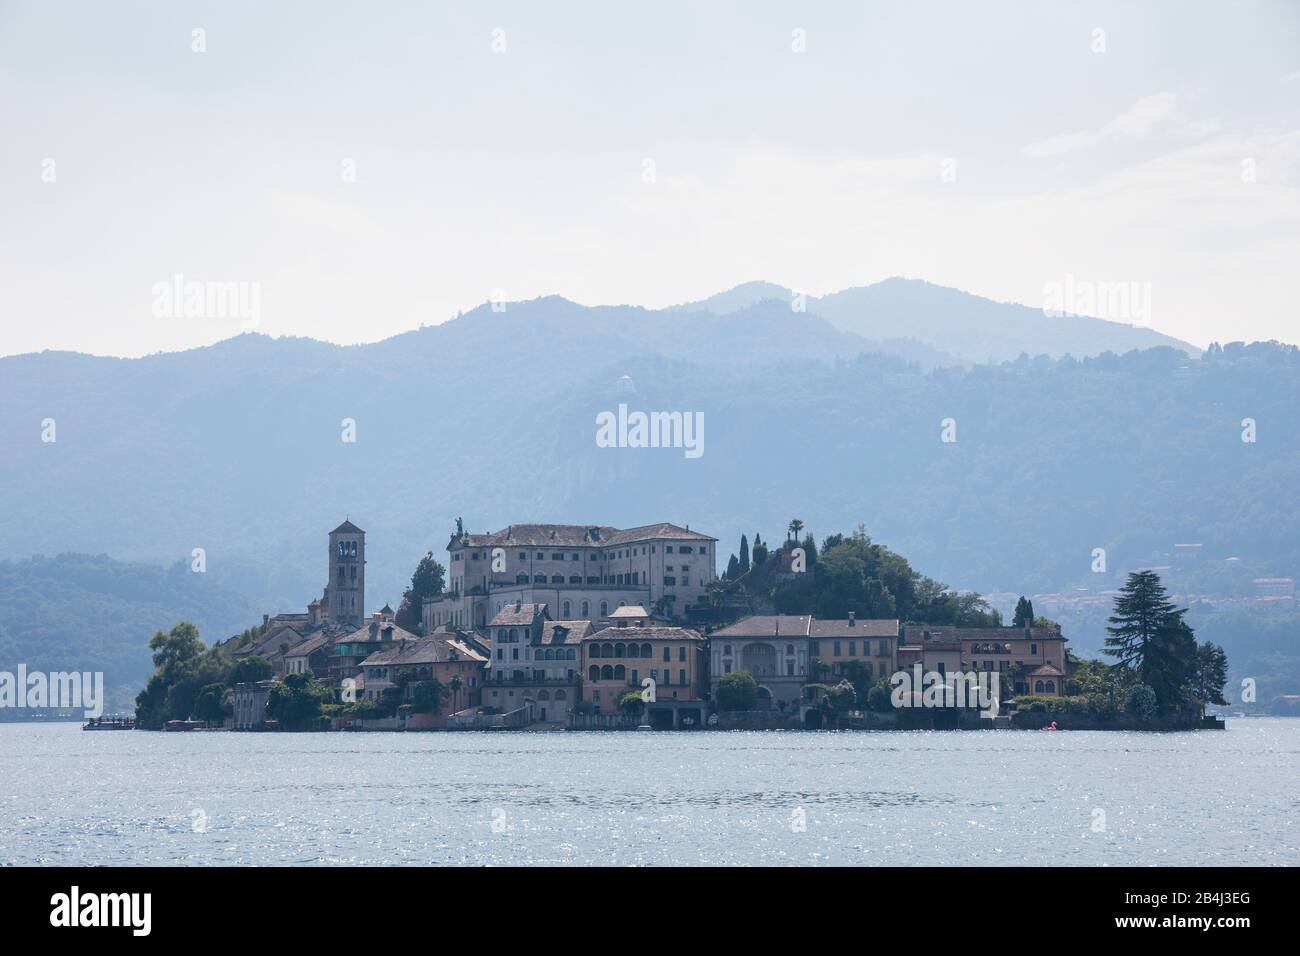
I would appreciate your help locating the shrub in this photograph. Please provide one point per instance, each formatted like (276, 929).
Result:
(1143, 702)
(737, 691)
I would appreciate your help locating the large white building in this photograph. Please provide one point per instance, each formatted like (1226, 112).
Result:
(578, 571)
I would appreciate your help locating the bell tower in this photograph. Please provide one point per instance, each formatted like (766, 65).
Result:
(347, 569)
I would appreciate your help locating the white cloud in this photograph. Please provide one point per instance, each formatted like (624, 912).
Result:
(1149, 118)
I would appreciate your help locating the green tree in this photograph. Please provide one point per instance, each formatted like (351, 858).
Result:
(744, 554)
(296, 702)
(427, 696)
(810, 551)
(1147, 635)
(760, 552)
(792, 531)
(427, 581)
(177, 652)
(737, 691)
(1211, 674)
(456, 683)
(1024, 613)
(733, 568)
(212, 704)
(631, 703)
(249, 669)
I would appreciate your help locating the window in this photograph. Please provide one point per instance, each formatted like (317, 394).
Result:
(1033, 648)
(836, 651)
(814, 648)
(681, 653)
(668, 677)
(853, 648)
(684, 549)
(681, 677)
(668, 653)
(586, 606)
(670, 580)
(564, 609)
(668, 549)
(539, 579)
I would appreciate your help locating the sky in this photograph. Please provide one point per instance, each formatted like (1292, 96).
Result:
(361, 169)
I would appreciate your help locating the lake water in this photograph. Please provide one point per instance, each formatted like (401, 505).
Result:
(977, 797)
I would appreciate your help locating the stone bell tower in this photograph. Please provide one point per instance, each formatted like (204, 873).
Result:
(346, 591)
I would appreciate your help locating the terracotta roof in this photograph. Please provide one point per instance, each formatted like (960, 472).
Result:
(311, 644)
(774, 625)
(374, 630)
(576, 536)
(517, 614)
(629, 610)
(565, 632)
(862, 627)
(655, 632)
(916, 633)
(424, 650)
(1045, 670)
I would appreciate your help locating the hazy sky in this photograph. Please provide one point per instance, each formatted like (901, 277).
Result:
(525, 169)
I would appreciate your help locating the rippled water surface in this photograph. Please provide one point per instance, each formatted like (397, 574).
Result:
(997, 797)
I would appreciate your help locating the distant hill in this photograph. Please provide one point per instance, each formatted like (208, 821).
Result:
(963, 326)
(83, 613)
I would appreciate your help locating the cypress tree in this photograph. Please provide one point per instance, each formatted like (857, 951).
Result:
(1024, 613)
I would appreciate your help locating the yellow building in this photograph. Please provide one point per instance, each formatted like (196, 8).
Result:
(1031, 658)
(871, 644)
(620, 658)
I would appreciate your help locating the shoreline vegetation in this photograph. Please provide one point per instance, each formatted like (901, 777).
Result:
(1160, 679)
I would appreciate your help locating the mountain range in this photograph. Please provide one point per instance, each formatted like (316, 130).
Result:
(835, 415)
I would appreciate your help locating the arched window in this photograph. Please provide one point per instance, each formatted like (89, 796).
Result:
(604, 609)
(607, 650)
(594, 673)
(620, 650)
(726, 649)
(564, 609)
(586, 608)
(645, 650)
(520, 579)
(1051, 687)
(514, 637)
(619, 672)
(539, 579)
(501, 635)
(789, 652)
(633, 650)
(561, 695)
(594, 651)
(572, 654)
(607, 673)
(543, 695)
(1038, 687)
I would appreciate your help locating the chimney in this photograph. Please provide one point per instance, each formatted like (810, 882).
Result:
(852, 617)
